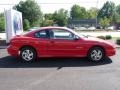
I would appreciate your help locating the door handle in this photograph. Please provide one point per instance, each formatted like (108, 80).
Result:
(79, 47)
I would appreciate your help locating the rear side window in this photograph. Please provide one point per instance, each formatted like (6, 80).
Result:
(41, 34)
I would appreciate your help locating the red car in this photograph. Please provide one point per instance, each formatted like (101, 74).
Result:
(58, 42)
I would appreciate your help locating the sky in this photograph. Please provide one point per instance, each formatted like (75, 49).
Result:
(49, 6)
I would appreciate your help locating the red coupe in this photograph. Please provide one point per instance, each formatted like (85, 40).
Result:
(58, 42)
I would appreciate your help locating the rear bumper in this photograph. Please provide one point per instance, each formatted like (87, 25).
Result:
(12, 50)
(111, 52)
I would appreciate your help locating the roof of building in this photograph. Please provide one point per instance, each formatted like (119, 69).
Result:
(81, 21)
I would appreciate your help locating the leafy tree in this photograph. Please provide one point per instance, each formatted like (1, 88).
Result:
(47, 23)
(31, 11)
(117, 17)
(107, 10)
(118, 9)
(26, 24)
(78, 12)
(60, 17)
(48, 16)
(117, 14)
(104, 22)
(48, 20)
(55, 16)
(2, 22)
(92, 13)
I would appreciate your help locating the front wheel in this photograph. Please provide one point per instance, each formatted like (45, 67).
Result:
(28, 54)
(96, 54)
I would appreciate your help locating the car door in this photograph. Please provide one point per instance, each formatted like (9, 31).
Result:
(62, 43)
(41, 40)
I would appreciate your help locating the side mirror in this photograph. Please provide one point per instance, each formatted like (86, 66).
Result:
(76, 37)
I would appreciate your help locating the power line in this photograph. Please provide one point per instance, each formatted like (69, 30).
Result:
(7, 4)
(67, 3)
(64, 3)
(53, 3)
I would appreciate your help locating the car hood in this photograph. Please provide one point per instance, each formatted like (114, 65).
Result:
(97, 40)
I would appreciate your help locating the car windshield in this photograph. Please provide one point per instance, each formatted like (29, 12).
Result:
(80, 35)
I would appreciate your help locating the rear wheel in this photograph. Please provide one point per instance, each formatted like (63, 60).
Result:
(96, 54)
(28, 54)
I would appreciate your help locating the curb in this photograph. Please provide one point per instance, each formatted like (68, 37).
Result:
(3, 47)
(117, 46)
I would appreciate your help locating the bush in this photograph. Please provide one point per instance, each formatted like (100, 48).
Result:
(118, 41)
(101, 37)
(108, 37)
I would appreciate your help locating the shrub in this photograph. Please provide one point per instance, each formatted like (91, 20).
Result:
(118, 41)
(108, 37)
(101, 37)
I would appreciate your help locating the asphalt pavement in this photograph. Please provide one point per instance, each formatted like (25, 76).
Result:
(59, 73)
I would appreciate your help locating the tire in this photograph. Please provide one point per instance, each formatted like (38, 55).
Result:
(96, 54)
(28, 54)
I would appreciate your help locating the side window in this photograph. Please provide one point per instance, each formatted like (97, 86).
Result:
(61, 34)
(41, 34)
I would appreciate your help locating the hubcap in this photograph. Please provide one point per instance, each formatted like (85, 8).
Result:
(96, 55)
(27, 55)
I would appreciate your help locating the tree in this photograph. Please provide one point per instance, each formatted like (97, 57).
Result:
(78, 12)
(92, 13)
(48, 16)
(47, 23)
(60, 17)
(118, 9)
(117, 14)
(2, 22)
(31, 11)
(104, 22)
(26, 24)
(107, 10)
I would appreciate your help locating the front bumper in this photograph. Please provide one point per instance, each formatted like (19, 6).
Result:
(111, 52)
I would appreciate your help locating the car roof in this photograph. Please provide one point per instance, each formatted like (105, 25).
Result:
(43, 28)
(51, 27)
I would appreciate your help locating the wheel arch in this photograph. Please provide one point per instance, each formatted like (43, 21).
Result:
(28, 46)
(97, 46)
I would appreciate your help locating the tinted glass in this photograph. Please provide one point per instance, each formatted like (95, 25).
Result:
(41, 34)
(61, 34)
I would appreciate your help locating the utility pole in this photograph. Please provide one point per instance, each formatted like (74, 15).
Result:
(97, 13)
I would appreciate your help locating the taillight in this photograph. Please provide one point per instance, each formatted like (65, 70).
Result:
(11, 41)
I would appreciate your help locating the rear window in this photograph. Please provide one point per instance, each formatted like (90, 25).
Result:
(40, 34)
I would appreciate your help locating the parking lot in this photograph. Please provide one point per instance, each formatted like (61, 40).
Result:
(59, 74)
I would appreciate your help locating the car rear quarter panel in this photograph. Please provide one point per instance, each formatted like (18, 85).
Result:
(38, 45)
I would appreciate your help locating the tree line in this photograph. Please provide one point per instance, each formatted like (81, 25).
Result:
(33, 16)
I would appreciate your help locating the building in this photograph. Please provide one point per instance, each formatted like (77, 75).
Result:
(72, 23)
(117, 25)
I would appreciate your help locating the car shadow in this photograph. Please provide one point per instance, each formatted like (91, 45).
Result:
(11, 62)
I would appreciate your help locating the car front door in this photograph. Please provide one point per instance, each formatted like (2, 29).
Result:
(62, 43)
(41, 40)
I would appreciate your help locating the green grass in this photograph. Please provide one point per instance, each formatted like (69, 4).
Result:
(115, 38)
(97, 30)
